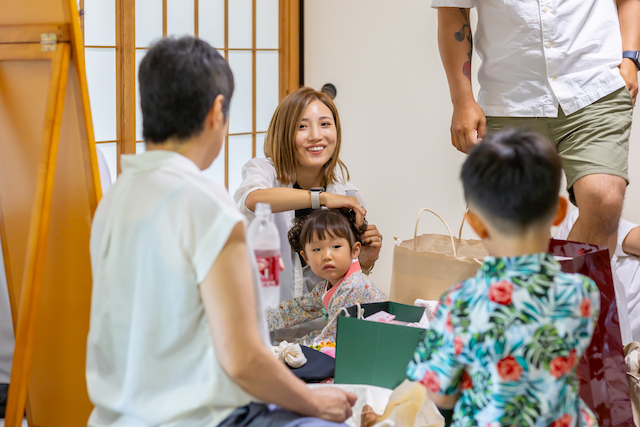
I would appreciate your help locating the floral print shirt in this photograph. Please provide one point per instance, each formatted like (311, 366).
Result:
(509, 340)
(354, 288)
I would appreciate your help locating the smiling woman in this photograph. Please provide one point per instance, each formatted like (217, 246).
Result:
(302, 150)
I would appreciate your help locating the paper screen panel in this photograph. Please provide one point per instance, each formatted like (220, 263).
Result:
(101, 79)
(267, 87)
(99, 22)
(260, 145)
(241, 116)
(240, 151)
(181, 17)
(267, 22)
(240, 24)
(211, 22)
(148, 22)
(216, 172)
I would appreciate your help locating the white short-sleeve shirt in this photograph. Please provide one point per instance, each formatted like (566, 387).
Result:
(537, 54)
(151, 360)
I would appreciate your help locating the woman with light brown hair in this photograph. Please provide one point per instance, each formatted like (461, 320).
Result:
(302, 172)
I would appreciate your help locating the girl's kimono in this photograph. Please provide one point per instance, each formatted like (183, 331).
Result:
(353, 288)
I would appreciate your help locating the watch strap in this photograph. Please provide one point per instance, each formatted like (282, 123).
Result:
(633, 55)
(315, 197)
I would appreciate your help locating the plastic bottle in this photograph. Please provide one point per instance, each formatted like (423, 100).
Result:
(265, 240)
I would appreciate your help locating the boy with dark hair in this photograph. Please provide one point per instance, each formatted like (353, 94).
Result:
(177, 334)
(504, 345)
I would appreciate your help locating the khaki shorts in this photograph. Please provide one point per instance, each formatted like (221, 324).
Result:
(592, 140)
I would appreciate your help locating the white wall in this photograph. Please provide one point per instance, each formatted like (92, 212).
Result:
(395, 110)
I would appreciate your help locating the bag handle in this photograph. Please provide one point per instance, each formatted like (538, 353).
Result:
(415, 233)
(359, 311)
(464, 219)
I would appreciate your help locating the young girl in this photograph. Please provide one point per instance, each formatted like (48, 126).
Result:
(329, 242)
(303, 171)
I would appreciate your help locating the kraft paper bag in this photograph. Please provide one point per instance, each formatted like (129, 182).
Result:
(427, 265)
(409, 406)
(376, 353)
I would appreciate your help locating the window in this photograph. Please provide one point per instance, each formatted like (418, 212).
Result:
(259, 38)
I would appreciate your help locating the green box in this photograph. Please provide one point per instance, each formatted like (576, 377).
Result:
(376, 353)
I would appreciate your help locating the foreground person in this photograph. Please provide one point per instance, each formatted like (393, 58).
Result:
(504, 345)
(177, 334)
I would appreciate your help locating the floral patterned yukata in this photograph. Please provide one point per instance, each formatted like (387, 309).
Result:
(353, 288)
(509, 340)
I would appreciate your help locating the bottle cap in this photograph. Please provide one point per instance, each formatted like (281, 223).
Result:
(263, 209)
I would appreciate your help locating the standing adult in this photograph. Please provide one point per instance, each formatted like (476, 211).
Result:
(556, 67)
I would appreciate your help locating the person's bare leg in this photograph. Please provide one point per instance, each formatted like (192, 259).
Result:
(599, 198)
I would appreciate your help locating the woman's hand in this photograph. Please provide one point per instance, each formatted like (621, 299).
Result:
(334, 404)
(372, 242)
(335, 201)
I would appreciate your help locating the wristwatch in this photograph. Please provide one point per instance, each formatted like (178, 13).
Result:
(633, 55)
(315, 197)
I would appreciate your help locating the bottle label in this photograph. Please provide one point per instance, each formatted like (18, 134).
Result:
(270, 274)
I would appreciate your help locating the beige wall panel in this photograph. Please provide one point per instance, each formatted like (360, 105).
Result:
(22, 112)
(63, 317)
(31, 12)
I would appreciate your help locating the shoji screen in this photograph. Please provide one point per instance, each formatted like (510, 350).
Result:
(258, 37)
(99, 23)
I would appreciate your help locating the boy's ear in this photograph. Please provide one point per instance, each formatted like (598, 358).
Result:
(304, 256)
(216, 114)
(477, 225)
(562, 211)
(355, 252)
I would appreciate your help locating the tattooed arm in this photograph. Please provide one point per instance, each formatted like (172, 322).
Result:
(456, 46)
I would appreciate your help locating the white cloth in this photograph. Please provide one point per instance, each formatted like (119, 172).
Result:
(290, 353)
(150, 356)
(105, 173)
(536, 53)
(259, 174)
(376, 397)
(7, 341)
(626, 269)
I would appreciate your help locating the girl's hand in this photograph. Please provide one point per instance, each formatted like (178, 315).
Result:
(335, 201)
(372, 242)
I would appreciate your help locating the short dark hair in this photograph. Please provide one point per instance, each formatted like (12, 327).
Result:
(326, 222)
(179, 80)
(513, 178)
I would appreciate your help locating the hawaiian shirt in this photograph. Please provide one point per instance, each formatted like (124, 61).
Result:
(509, 340)
(325, 302)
